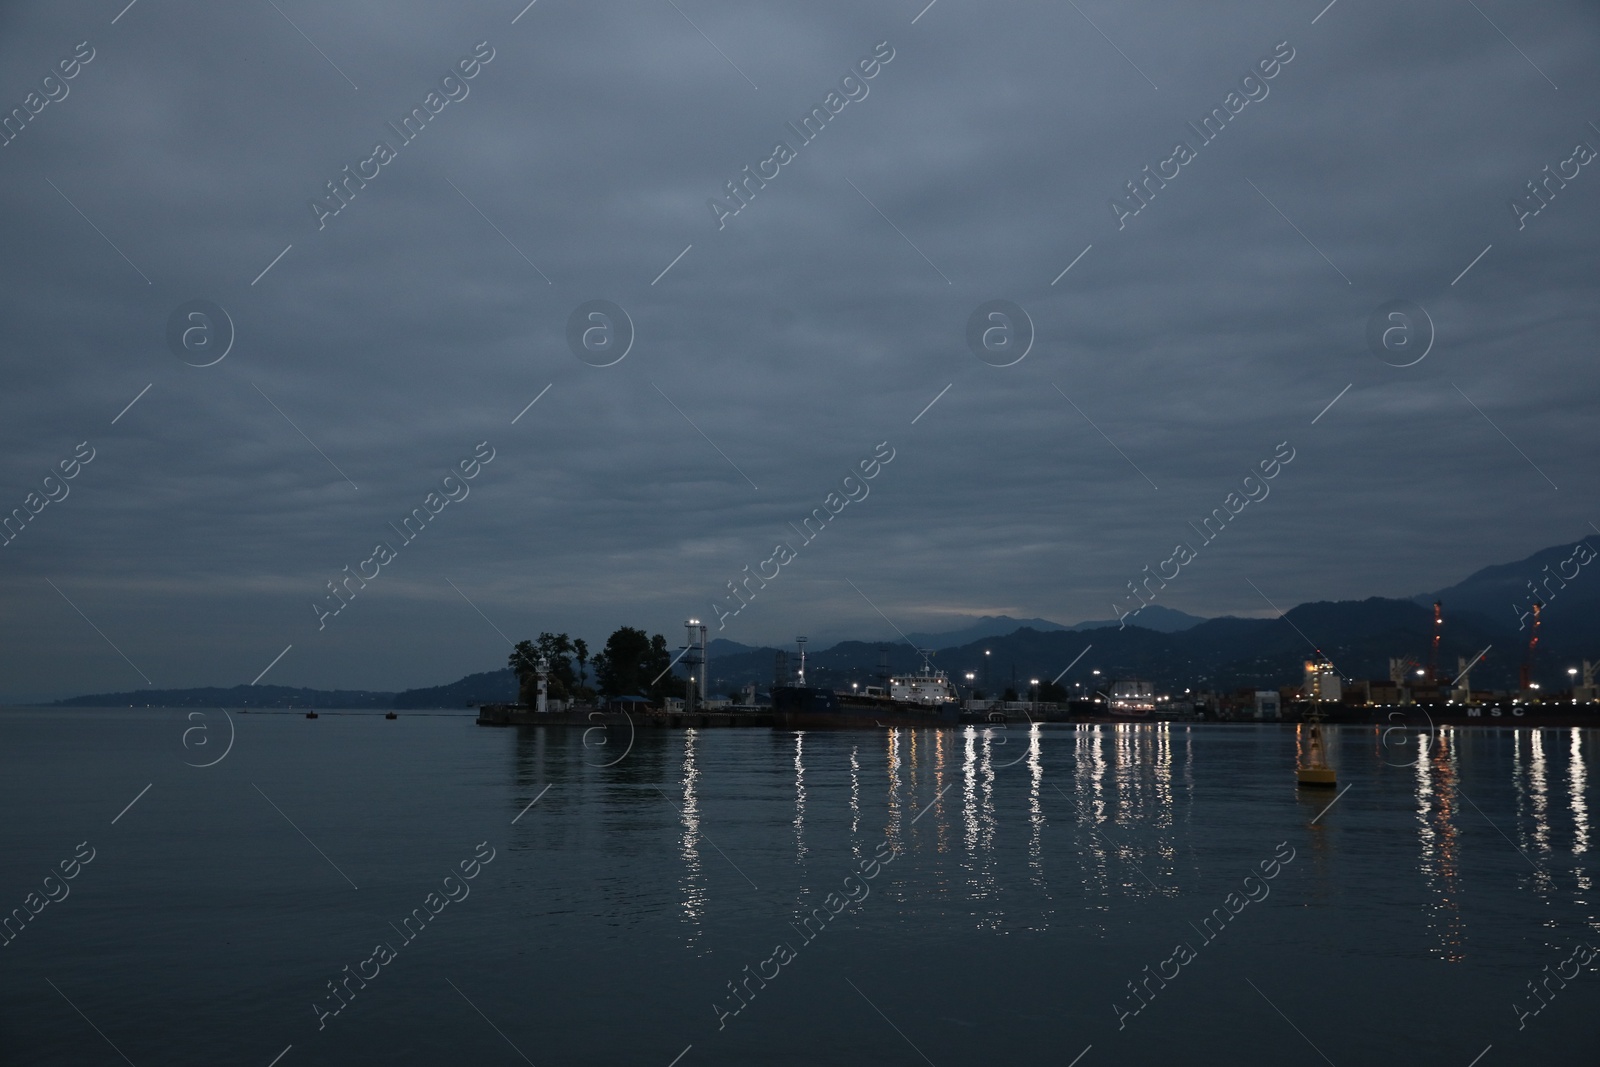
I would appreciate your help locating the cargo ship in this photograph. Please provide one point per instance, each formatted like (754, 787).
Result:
(1132, 698)
(922, 698)
(799, 707)
(1513, 713)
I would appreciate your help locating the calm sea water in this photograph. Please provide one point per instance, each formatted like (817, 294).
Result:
(1035, 874)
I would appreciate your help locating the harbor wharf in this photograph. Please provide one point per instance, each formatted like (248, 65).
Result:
(1083, 713)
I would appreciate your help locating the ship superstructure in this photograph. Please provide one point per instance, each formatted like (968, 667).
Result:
(926, 688)
(1132, 696)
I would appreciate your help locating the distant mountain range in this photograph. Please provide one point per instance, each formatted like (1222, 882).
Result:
(1155, 617)
(1162, 620)
(1171, 648)
(981, 627)
(1568, 589)
(490, 687)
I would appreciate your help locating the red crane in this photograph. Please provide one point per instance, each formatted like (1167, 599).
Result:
(1533, 643)
(1438, 626)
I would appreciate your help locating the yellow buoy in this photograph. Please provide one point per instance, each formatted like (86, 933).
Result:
(1316, 771)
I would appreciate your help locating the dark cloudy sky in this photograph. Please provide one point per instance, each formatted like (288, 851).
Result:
(821, 321)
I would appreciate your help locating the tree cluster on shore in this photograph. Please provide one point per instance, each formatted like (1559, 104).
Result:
(632, 664)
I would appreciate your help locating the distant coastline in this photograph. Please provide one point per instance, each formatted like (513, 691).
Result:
(1172, 649)
(485, 688)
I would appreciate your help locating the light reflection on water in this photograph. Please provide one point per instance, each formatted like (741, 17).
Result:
(1578, 780)
(891, 829)
(1061, 861)
(987, 886)
(799, 799)
(1036, 821)
(1531, 777)
(1539, 782)
(969, 803)
(1090, 785)
(855, 796)
(695, 893)
(1128, 793)
(1437, 812)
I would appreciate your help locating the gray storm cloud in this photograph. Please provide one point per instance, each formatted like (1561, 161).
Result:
(427, 305)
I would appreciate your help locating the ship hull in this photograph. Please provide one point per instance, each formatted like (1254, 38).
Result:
(1452, 714)
(806, 708)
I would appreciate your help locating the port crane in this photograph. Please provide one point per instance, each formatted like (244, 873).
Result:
(1533, 643)
(1438, 628)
